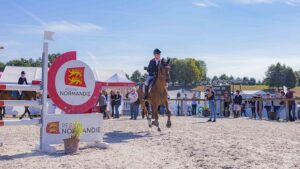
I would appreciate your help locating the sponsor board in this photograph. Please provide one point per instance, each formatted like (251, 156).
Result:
(59, 127)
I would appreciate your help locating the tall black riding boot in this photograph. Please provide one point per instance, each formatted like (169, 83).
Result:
(146, 92)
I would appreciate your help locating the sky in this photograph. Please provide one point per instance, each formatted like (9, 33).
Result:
(236, 37)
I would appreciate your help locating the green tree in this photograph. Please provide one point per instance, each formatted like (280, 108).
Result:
(224, 77)
(279, 75)
(252, 81)
(187, 70)
(136, 76)
(2, 66)
(290, 78)
(245, 80)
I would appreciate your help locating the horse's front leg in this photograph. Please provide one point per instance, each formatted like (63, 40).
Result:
(169, 115)
(155, 115)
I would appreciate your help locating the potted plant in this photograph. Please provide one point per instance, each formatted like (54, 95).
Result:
(72, 144)
(205, 111)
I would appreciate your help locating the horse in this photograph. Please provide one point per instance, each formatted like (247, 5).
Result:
(158, 95)
(7, 95)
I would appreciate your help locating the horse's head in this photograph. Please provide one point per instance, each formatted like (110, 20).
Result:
(164, 69)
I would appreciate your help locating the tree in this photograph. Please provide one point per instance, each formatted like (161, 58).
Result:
(215, 78)
(290, 78)
(279, 75)
(252, 81)
(2, 66)
(187, 70)
(224, 77)
(245, 80)
(136, 76)
(52, 57)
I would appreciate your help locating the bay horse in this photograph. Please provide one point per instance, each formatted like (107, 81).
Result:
(7, 95)
(158, 95)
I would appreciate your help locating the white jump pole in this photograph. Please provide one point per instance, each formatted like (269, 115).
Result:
(20, 122)
(19, 87)
(32, 103)
(44, 88)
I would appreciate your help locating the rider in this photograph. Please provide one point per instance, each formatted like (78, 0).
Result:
(152, 70)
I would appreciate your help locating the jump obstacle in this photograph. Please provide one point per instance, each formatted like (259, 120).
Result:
(73, 89)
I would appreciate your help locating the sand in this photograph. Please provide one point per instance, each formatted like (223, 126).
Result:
(190, 143)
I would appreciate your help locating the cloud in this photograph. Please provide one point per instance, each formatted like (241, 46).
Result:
(287, 2)
(205, 4)
(293, 2)
(65, 26)
(246, 2)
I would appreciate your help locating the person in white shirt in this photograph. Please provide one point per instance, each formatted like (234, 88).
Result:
(134, 104)
(276, 103)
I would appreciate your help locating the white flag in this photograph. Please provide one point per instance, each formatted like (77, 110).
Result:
(48, 35)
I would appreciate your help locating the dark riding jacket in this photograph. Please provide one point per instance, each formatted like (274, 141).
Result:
(152, 68)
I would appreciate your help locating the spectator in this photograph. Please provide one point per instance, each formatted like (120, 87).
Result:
(22, 80)
(118, 104)
(194, 104)
(210, 96)
(237, 101)
(112, 102)
(259, 106)
(103, 104)
(252, 102)
(227, 101)
(291, 104)
(178, 103)
(134, 104)
(243, 109)
(185, 105)
(276, 103)
(268, 104)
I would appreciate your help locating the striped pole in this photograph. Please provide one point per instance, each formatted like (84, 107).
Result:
(19, 122)
(19, 87)
(32, 103)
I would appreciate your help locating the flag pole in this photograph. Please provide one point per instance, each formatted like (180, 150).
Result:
(44, 87)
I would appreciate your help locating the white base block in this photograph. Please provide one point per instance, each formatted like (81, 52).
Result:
(48, 149)
(101, 145)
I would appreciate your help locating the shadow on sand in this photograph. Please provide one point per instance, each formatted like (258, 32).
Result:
(123, 137)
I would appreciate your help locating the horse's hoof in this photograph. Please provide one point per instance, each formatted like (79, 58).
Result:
(150, 126)
(168, 124)
(154, 123)
(158, 129)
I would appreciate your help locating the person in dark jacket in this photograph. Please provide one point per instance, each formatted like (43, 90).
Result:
(118, 104)
(152, 70)
(22, 80)
(237, 101)
(112, 103)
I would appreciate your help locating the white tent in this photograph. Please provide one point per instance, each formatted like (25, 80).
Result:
(11, 74)
(250, 93)
(103, 74)
(116, 78)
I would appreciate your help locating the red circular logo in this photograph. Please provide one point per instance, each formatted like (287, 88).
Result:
(71, 84)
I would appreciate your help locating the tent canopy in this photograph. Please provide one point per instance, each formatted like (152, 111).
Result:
(11, 74)
(108, 77)
(251, 93)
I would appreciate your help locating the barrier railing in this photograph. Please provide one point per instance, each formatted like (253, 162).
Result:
(182, 102)
(19, 87)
